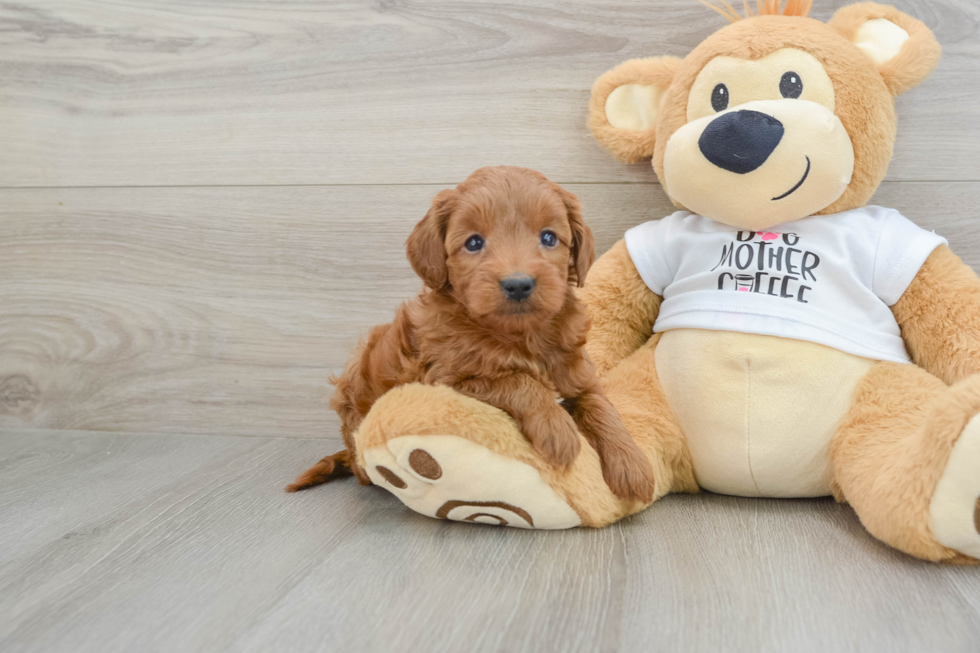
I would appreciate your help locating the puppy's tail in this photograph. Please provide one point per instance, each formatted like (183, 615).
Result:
(334, 466)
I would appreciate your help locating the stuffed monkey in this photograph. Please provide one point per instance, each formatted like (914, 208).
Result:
(776, 336)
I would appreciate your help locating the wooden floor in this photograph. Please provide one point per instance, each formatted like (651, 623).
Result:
(202, 207)
(116, 542)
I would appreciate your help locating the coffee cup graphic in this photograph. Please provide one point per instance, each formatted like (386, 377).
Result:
(744, 282)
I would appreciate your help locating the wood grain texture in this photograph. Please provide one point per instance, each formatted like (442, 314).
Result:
(224, 310)
(203, 205)
(178, 543)
(147, 92)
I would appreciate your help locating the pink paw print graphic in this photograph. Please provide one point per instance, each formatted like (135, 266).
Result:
(768, 235)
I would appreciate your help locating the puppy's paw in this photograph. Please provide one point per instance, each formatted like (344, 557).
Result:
(627, 472)
(554, 436)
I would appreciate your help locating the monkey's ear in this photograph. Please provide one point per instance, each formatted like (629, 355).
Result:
(903, 48)
(625, 106)
(583, 244)
(426, 245)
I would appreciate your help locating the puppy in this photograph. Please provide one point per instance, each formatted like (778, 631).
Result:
(498, 321)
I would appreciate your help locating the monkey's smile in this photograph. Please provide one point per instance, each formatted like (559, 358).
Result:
(798, 184)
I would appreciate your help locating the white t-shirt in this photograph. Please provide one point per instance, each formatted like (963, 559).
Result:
(828, 279)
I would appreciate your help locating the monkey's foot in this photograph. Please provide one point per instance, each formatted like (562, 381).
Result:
(449, 456)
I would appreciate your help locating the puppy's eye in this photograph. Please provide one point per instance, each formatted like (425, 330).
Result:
(474, 244)
(719, 98)
(791, 86)
(548, 238)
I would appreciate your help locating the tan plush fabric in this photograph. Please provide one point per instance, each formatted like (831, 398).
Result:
(864, 92)
(751, 80)
(743, 414)
(635, 391)
(630, 145)
(917, 56)
(939, 315)
(621, 307)
(464, 481)
(448, 413)
(815, 158)
(633, 107)
(888, 453)
(880, 39)
(954, 510)
(892, 447)
(758, 412)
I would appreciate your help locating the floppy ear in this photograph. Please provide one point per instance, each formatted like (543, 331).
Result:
(426, 245)
(902, 47)
(583, 244)
(625, 106)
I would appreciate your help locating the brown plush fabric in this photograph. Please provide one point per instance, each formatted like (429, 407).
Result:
(919, 54)
(621, 306)
(864, 102)
(449, 412)
(864, 94)
(626, 145)
(424, 464)
(939, 315)
(892, 447)
(635, 390)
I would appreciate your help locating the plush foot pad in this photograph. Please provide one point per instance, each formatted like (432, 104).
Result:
(448, 477)
(955, 506)
(976, 517)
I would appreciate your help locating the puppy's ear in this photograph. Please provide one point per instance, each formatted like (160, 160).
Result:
(903, 48)
(583, 244)
(625, 106)
(426, 245)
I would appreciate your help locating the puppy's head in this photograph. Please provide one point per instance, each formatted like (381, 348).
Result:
(507, 243)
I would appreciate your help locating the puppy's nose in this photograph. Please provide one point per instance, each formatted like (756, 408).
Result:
(517, 287)
(740, 141)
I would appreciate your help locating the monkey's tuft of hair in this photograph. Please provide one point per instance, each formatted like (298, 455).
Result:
(763, 8)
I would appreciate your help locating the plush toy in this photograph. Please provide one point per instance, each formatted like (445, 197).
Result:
(776, 337)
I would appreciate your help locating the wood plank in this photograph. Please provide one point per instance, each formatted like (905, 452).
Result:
(179, 543)
(146, 92)
(224, 310)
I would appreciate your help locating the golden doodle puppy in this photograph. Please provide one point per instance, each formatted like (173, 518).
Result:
(498, 321)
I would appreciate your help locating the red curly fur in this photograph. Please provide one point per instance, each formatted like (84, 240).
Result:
(462, 331)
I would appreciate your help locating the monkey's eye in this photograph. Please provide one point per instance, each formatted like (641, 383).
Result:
(474, 243)
(791, 86)
(548, 238)
(719, 98)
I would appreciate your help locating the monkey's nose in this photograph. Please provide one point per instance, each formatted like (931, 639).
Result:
(740, 141)
(517, 287)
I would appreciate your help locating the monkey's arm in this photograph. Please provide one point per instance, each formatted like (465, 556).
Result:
(621, 306)
(939, 315)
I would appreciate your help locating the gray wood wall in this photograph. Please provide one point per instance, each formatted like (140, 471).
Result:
(203, 205)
